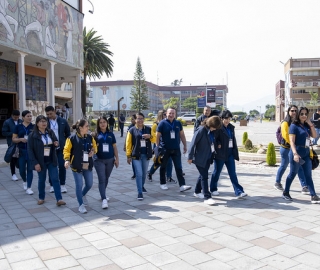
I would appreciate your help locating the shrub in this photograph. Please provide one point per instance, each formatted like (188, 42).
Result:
(183, 122)
(244, 137)
(248, 144)
(271, 155)
(150, 115)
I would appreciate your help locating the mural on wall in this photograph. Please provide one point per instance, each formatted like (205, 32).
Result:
(36, 108)
(48, 28)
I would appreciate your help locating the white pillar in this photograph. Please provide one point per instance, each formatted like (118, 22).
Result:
(77, 106)
(50, 83)
(22, 81)
(74, 118)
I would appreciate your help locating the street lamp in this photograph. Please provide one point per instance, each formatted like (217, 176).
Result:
(260, 113)
(119, 111)
(91, 11)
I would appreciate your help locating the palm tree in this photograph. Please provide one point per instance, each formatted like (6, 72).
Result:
(96, 61)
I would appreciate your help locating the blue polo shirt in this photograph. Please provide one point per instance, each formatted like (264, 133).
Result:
(165, 127)
(109, 139)
(301, 132)
(21, 131)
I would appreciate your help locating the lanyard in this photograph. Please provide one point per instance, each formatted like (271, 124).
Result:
(228, 131)
(26, 129)
(211, 137)
(141, 132)
(53, 124)
(305, 130)
(45, 137)
(105, 136)
(85, 144)
(172, 125)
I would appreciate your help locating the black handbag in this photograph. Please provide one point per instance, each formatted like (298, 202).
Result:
(10, 152)
(314, 159)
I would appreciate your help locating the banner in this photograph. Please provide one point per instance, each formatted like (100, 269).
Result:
(201, 102)
(211, 95)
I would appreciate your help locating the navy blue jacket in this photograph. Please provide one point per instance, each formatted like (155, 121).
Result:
(8, 128)
(200, 147)
(222, 138)
(63, 130)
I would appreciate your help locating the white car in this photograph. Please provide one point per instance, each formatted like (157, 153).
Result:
(189, 117)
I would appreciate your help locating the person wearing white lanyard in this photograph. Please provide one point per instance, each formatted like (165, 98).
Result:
(61, 129)
(41, 150)
(227, 152)
(202, 152)
(107, 156)
(20, 136)
(299, 135)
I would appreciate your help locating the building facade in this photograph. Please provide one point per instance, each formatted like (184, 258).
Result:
(106, 94)
(280, 106)
(302, 82)
(41, 46)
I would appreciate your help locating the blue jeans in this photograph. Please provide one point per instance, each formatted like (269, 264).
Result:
(103, 168)
(53, 174)
(121, 128)
(231, 167)
(111, 128)
(24, 163)
(62, 169)
(202, 183)
(315, 140)
(141, 168)
(175, 155)
(88, 180)
(304, 153)
(284, 152)
(168, 168)
(134, 172)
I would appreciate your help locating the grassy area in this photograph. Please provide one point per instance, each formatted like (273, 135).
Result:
(253, 150)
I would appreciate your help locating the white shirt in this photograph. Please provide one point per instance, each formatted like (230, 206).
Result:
(54, 127)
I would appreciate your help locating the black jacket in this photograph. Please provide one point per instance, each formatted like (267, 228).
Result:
(36, 149)
(8, 128)
(198, 122)
(135, 136)
(222, 138)
(63, 130)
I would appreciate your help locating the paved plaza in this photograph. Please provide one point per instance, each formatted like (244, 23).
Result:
(168, 229)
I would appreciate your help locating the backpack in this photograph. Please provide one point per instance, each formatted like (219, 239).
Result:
(279, 135)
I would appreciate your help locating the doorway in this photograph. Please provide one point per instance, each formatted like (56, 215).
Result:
(8, 102)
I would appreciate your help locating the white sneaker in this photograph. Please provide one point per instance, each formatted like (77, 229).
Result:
(63, 189)
(85, 201)
(164, 187)
(25, 186)
(104, 204)
(82, 209)
(108, 199)
(209, 201)
(51, 189)
(184, 188)
(198, 195)
(14, 178)
(209, 172)
(215, 193)
(29, 191)
(242, 195)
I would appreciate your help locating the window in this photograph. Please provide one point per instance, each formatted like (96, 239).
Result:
(306, 73)
(299, 91)
(36, 88)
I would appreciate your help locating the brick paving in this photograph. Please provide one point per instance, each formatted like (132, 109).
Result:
(168, 229)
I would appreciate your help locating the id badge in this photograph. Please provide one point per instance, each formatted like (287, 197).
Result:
(212, 148)
(47, 151)
(230, 143)
(143, 143)
(172, 134)
(105, 147)
(26, 137)
(85, 166)
(307, 142)
(85, 157)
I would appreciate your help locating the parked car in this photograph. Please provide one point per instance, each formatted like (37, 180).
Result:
(189, 117)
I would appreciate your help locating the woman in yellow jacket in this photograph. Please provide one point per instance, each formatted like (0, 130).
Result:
(77, 153)
(285, 149)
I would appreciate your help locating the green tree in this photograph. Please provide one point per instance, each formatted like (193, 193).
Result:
(190, 103)
(270, 113)
(313, 98)
(170, 103)
(96, 61)
(139, 92)
(271, 155)
(254, 113)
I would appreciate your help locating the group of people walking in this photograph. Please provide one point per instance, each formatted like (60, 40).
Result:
(297, 129)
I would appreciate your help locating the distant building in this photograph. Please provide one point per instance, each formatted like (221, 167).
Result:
(107, 93)
(280, 106)
(302, 77)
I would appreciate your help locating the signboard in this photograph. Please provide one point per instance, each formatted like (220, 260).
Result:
(201, 102)
(211, 95)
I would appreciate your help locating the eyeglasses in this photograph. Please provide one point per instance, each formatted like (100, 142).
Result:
(303, 114)
(293, 110)
(164, 114)
(43, 121)
(139, 119)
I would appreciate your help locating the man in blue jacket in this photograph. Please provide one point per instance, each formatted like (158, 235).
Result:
(7, 130)
(61, 129)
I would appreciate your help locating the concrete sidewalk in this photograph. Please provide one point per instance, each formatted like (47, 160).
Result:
(167, 230)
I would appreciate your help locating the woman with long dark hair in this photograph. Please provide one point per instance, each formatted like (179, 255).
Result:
(78, 152)
(107, 156)
(299, 156)
(20, 136)
(42, 143)
(285, 149)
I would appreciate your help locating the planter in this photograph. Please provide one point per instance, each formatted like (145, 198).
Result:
(243, 123)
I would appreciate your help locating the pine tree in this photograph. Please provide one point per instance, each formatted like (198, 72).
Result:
(139, 91)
